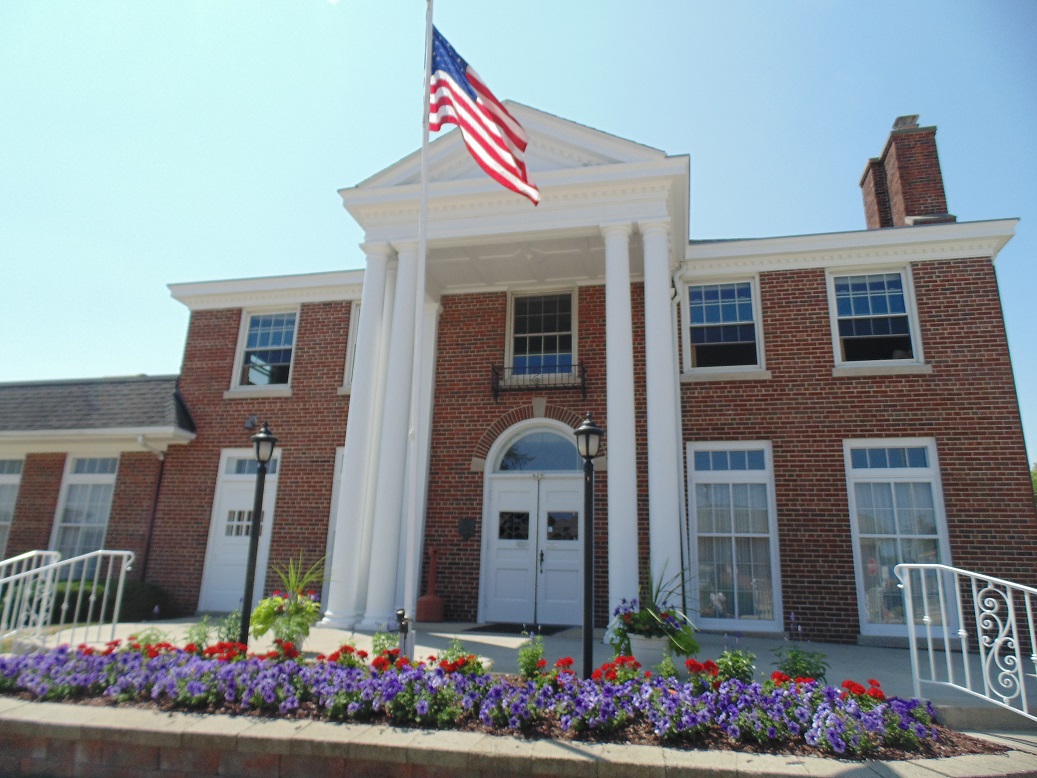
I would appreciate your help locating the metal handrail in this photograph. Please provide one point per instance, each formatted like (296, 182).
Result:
(504, 378)
(1004, 617)
(29, 593)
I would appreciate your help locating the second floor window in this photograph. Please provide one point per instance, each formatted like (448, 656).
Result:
(266, 358)
(723, 327)
(542, 334)
(872, 318)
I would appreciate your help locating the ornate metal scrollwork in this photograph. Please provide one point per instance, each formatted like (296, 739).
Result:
(996, 627)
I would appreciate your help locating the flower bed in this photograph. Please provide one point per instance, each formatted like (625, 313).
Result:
(619, 703)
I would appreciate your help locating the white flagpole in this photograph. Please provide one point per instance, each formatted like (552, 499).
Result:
(413, 523)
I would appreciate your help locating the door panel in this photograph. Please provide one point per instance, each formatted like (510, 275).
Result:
(226, 555)
(534, 550)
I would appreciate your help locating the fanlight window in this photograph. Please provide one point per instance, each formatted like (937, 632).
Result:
(540, 452)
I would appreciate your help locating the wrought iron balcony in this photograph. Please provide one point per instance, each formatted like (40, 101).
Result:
(510, 379)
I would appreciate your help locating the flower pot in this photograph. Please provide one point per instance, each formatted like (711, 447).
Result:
(649, 651)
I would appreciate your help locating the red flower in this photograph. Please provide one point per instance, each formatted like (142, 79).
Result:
(564, 663)
(711, 668)
(852, 687)
(803, 679)
(780, 678)
(873, 682)
(693, 666)
(875, 693)
(541, 664)
(380, 663)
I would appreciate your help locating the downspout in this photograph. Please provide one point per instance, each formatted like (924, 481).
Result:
(146, 551)
(675, 301)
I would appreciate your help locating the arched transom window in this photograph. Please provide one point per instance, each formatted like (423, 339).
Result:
(540, 451)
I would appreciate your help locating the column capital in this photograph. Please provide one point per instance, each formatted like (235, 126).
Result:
(616, 228)
(375, 250)
(654, 226)
(408, 247)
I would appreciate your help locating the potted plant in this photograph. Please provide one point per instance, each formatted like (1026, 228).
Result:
(651, 627)
(292, 610)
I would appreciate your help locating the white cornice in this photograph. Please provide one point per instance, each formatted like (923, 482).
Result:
(272, 290)
(958, 240)
(80, 441)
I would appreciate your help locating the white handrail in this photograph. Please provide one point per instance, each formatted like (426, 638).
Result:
(1004, 618)
(31, 587)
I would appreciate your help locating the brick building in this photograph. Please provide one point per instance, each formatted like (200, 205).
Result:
(786, 418)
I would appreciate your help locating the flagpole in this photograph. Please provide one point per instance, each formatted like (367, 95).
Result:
(412, 559)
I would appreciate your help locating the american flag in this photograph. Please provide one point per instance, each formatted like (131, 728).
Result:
(458, 96)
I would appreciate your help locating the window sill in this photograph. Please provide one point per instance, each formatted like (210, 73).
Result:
(726, 375)
(345, 389)
(880, 370)
(250, 392)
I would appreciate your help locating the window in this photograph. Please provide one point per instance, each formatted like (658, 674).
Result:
(86, 502)
(873, 318)
(10, 475)
(354, 326)
(542, 334)
(540, 452)
(896, 512)
(735, 535)
(266, 354)
(723, 325)
(249, 466)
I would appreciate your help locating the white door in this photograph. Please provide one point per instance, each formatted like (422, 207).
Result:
(226, 554)
(534, 559)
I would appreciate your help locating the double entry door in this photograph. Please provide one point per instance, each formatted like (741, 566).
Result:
(533, 564)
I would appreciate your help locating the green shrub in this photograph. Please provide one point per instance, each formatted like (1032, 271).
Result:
(736, 663)
(797, 662)
(141, 601)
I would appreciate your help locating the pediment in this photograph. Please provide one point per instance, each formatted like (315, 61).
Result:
(555, 144)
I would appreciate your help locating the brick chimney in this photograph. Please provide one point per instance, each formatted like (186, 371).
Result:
(904, 186)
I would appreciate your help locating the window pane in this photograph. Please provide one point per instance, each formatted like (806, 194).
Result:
(875, 509)
(871, 321)
(716, 567)
(563, 525)
(541, 451)
(513, 525)
(722, 316)
(915, 510)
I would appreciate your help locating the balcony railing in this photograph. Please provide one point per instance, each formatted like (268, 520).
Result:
(510, 379)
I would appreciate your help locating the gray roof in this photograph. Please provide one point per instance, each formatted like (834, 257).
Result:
(94, 403)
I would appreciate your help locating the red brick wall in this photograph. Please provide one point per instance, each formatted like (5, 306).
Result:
(132, 503)
(913, 175)
(37, 503)
(466, 420)
(309, 425)
(968, 404)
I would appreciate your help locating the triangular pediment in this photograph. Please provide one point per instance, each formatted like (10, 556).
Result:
(555, 144)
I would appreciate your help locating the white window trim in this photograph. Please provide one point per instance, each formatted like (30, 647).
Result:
(350, 367)
(689, 373)
(69, 479)
(275, 390)
(844, 368)
(509, 343)
(892, 474)
(776, 624)
(9, 479)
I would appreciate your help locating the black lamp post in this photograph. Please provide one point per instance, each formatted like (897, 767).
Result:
(588, 443)
(264, 441)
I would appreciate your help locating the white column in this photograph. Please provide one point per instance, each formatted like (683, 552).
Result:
(349, 514)
(663, 432)
(392, 454)
(620, 440)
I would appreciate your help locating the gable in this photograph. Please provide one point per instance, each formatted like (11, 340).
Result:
(555, 144)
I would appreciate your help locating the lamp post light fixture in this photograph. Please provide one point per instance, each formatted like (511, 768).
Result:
(588, 443)
(264, 441)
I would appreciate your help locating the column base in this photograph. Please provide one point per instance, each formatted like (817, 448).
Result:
(337, 621)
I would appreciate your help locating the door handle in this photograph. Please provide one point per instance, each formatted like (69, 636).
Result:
(541, 562)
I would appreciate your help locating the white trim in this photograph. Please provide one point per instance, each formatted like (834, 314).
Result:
(766, 476)
(270, 291)
(914, 327)
(68, 479)
(109, 441)
(933, 242)
(930, 474)
(237, 389)
(720, 373)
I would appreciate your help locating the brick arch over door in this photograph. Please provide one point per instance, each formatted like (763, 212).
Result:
(513, 417)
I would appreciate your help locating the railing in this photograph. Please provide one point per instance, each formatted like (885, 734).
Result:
(1000, 663)
(510, 379)
(43, 596)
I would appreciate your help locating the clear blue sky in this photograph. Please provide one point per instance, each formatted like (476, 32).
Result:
(143, 143)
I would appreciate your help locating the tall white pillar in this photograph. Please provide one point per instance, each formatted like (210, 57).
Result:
(392, 454)
(349, 513)
(663, 431)
(620, 439)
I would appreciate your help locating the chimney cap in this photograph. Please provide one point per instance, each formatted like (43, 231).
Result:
(909, 122)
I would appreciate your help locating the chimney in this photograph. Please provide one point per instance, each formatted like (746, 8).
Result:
(904, 186)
